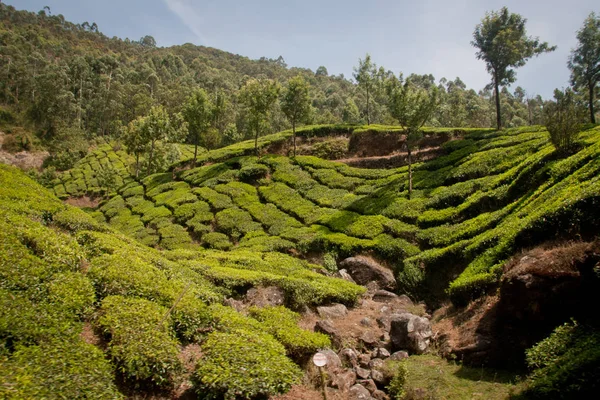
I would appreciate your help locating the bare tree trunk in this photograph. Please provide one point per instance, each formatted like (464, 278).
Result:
(195, 149)
(592, 112)
(497, 93)
(150, 158)
(410, 183)
(256, 142)
(368, 119)
(294, 131)
(137, 165)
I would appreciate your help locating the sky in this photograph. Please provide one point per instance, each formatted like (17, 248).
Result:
(424, 37)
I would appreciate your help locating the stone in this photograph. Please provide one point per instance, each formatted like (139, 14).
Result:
(332, 312)
(380, 395)
(366, 321)
(348, 357)
(237, 305)
(410, 332)
(379, 378)
(362, 373)
(380, 352)
(364, 359)
(385, 338)
(369, 338)
(384, 322)
(364, 270)
(342, 273)
(345, 380)
(265, 296)
(384, 296)
(376, 363)
(359, 392)
(368, 384)
(333, 361)
(399, 355)
(327, 327)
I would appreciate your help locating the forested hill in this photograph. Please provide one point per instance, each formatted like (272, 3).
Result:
(60, 75)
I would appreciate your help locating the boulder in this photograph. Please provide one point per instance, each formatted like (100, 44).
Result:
(359, 392)
(237, 305)
(399, 355)
(380, 352)
(384, 296)
(333, 361)
(368, 384)
(327, 327)
(342, 273)
(332, 312)
(369, 339)
(367, 322)
(410, 332)
(364, 359)
(380, 395)
(348, 357)
(345, 380)
(362, 373)
(379, 378)
(365, 270)
(265, 296)
(376, 363)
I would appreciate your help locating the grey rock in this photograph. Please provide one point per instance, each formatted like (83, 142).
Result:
(349, 357)
(380, 352)
(362, 373)
(368, 384)
(410, 332)
(265, 296)
(344, 380)
(369, 338)
(364, 359)
(366, 321)
(384, 296)
(380, 395)
(235, 304)
(364, 270)
(399, 355)
(379, 378)
(359, 392)
(376, 363)
(342, 273)
(332, 312)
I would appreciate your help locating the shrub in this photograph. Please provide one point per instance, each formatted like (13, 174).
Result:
(244, 365)
(75, 220)
(236, 222)
(563, 120)
(140, 341)
(283, 325)
(68, 369)
(253, 172)
(216, 240)
(74, 292)
(399, 373)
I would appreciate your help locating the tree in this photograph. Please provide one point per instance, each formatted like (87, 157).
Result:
(563, 119)
(350, 113)
(295, 103)
(197, 112)
(134, 141)
(258, 96)
(365, 75)
(157, 127)
(412, 106)
(504, 45)
(584, 61)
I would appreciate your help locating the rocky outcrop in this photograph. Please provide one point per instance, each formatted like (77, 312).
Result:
(410, 332)
(365, 270)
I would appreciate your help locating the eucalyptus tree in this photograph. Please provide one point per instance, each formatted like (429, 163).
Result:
(366, 76)
(503, 45)
(198, 112)
(295, 103)
(584, 61)
(258, 96)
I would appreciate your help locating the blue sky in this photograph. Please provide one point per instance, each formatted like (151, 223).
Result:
(429, 36)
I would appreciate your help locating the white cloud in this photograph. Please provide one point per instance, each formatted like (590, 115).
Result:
(189, 17)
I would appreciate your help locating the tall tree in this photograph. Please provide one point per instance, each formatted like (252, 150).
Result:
(504, 45)
(295, 103)
(412, 106)
(258, 96)
(584, 61)
(562, 118)
(134, 141)
(197, 112)
(156, 127)
(365, 75)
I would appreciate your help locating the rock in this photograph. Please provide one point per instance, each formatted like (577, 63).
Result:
(364, 270)
(333, 361)
(327, 327)
(366, 321)
(384, 322)
(342, 273)
(385, 338)
(376, 363)
(359, 392)
(348, 357)
(410, 332)
(380, 395)
(380, 352)
(364, 359)
(235, 304)
(369, 338)
(332, 312)
(379, 378)
(368, 384)
(399, 355)
(345, 380)
(362, 373)
(265, 296)
(383, 296)
(372, 287)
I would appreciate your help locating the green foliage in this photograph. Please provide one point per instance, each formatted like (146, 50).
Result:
(140, 341)
(283, 325)
(244, 365)
(74, 292)
(399, 373)
(565, 365)
(69, 369)
(563, 118)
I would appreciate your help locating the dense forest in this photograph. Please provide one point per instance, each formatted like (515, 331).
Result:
(71, 77)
